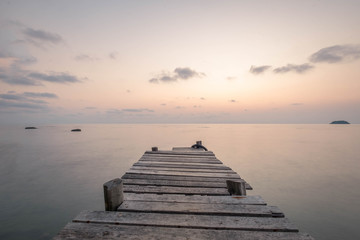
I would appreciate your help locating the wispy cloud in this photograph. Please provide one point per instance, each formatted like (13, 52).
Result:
(28, 78)
(259, 69)
(40, 95)
(231, 78)
(302, 68)
(297, 104)
(54, 77)
(113, 55)
(36, 35)
(232, 101)
(178, 74)
(85, 57)
(26, 100)
(18, 79)
(336, 53)
(137, 110)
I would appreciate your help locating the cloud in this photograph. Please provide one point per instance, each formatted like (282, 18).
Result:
(40, 95)
(137, 110)
(260, 69)
(42, 36)
(113, 55)
(178, 73)
(297, 104)
(10, 104)
(114, 111)
(202, 98)
(15, 79)
(231, 78)
(167, 78)
(54, 77)
(16, 76)
(154, 80)
(294, 68)
(85, 57)
(232, 100)
(186, 73)
(336, 53)
(26, 100)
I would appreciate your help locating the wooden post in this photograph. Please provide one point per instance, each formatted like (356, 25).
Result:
(236, 187)
(199, 143)
(154, 149)
(113, 194)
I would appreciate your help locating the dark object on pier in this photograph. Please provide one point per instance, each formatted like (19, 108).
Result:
(76, 130)
(30, 128)
(340, 122)
(198, 145)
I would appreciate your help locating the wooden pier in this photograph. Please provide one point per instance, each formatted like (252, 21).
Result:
(186, 193)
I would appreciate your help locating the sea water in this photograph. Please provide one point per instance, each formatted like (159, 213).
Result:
(50, 174)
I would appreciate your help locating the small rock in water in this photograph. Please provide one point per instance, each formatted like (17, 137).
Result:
(30, 128)
(340, 122)
(76, 130)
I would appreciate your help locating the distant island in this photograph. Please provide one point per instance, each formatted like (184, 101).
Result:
(339, 122)
(76, 130)
(30, 128)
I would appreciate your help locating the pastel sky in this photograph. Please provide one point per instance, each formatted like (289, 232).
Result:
(269, 61)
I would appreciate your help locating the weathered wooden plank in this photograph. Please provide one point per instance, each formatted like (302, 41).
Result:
(175, 190)
(201, 163)
(178, 178)
(180, 160)
(250, 200)
(210, 157)
(178, 169)
(188, 221)
(187, 153)
(194, 174)
(87, 231)
(181, 165)
(200, 209)
(172, 183)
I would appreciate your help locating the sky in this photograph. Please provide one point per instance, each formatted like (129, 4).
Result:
(268, 61)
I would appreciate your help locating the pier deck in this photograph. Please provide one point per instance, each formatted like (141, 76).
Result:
(183, 194)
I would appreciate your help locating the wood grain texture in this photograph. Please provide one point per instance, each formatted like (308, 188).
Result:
(212, 209)
(87, 231)
(178, 169)
(175, 190)
(191, 174)
(180, 198)
(187, 221)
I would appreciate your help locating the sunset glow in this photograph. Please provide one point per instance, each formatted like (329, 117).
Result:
(179, 61)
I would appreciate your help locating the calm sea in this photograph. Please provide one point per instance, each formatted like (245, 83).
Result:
(48, 175)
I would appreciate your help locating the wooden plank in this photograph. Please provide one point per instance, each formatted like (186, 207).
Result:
(177, 183)
(180, 160)
(194, 174)
(193, 153)
(181, 165)
(172, 183)
(175, 190)
(200, 209)
(178, 178)
(187, 221)
(87, 231)
(178, 169)
(249, 200)
(108, 231)
(200, 157)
